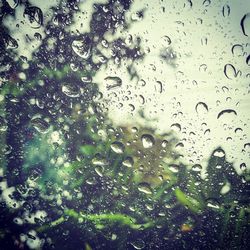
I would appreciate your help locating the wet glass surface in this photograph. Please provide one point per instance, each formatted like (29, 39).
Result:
(124, 124)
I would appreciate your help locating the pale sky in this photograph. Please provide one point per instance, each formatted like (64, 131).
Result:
(201, 39)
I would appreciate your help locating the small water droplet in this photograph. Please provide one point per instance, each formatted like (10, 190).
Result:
(159, 86)
(138, 244)
(141, 99)
(99, 170)
(82, 47)
(226, 111)
(247, 145)
(174, 168)
(219, 153)
(226, 10)
(164, 143)
(206, 3)
(243, 166)
(86, 79)
(145, 187)
(212, 203)
(165, 41)
(245, 24)
(117, 147)
(129, 40)
(176, 127)
(40, 125)
(105, 43)
(148, 141)
(70, 90)
(112, 82)
(35, 16)
(128, 162)
(132, 107)
(237, 50)
(99, 160)
(248, 60)
(231, 72)
(3, 124)
(201, 108)
(137, 16)
(141, 83)
(197, 168)
(38, 36)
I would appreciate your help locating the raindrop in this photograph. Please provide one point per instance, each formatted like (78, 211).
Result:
(74, 67)
(226, 10)
(207, 132)
(212, 203)
(226, 111)
(99, 170)
(112, 82)
(243, 166)
(82, 47)
(128, 162)
(134, 129)
(174, 168)
(10, 42)
(179, 145)
(70, 90)
(206, 3)
(237, 50)
(3, 124)
(230, 71)
(238, 131)
(117, 147)
(219, 153)
(132, 107)
(225, 189)
(141, 83)
(247, 145)
(86, 79)
(7, 149)
(164, 143)
(99, 160)
(38, 36)
(159, 86)
(218, 166)
(91, 181)
(18, 221)
(176, 127)
(197, 168)
(248, 60)
(148, 141)
(144, 187)
(203, 68)
(138, 244)
(204, 42)
(105, 43)
(137, 16)
(129, 40)
(40, 125)
(13, 3)
(141, 99)
(245, 24)
(35, 16)
(165, 41)
(201, 107)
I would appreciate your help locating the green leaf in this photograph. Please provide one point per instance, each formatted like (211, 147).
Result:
(88, 150)
(191, 203)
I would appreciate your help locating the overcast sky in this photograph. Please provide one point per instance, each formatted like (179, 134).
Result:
(198, 42)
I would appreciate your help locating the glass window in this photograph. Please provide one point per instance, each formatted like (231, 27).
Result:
(124, 124)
